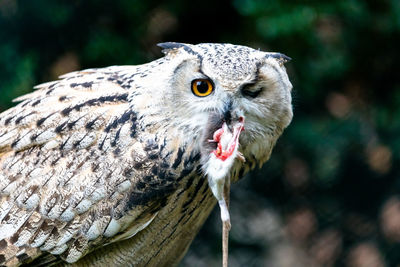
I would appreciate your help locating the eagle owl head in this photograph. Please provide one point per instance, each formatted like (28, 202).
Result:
(201, 87)
(229, 102)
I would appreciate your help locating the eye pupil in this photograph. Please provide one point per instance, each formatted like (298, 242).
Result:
(202, 87)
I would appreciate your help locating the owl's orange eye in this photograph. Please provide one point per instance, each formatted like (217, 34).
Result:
(202, 87)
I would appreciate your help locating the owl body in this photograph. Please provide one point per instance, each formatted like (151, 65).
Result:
(109, 166)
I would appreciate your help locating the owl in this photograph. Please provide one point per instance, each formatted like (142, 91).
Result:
(121, 166)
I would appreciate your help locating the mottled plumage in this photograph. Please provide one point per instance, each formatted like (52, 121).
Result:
(114, 161)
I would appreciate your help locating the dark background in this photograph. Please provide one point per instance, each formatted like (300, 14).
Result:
(330, 193)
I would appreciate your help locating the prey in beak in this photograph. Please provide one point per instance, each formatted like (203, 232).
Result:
(225, 143)
(221, 160)
(227, 139)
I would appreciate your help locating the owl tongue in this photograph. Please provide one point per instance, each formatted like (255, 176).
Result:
(227, 141)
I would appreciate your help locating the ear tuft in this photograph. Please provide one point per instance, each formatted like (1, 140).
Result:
(170, 45)
(173, 46)
(281, 58)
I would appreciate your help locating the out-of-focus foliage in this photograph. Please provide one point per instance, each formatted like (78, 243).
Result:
(330, 195)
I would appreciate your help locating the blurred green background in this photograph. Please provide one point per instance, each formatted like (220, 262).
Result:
(330, 195)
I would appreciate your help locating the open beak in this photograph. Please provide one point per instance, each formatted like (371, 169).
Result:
(227, 139)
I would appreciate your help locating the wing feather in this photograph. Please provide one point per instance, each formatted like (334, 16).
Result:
(71, 163)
